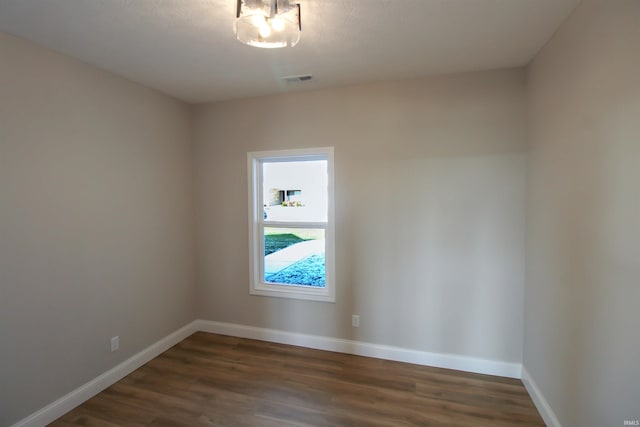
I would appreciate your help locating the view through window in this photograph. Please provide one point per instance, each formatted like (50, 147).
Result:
(291, 228)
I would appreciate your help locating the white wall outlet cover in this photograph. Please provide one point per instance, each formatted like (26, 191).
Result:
(115, 343)
(355, 321)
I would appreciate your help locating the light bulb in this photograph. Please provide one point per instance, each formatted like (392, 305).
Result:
(277, 24)
(264, 30)
(258, 20)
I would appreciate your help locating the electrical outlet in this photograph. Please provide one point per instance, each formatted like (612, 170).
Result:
(115, 343)
(355, 321)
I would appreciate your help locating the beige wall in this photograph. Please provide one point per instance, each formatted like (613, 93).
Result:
(582, 325)
(96, 223)
(429, 180)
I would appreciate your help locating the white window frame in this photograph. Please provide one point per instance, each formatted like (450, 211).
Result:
(257, 223)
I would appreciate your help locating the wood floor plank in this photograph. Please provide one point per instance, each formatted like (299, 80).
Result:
(219, 381)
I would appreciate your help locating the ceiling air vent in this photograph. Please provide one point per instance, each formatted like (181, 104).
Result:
(297, 79)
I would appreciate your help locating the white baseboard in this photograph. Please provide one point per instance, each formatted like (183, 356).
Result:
(439, 360)
(71, 400)
(541, 403)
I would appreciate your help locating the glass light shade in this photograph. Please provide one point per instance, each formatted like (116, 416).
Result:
(261, 7)
(259, 25)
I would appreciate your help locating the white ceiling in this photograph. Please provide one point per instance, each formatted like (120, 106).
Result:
(186, 48)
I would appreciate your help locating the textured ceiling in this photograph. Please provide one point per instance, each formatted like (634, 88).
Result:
(186, 48)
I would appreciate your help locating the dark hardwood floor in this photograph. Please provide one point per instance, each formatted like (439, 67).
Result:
(215, 380)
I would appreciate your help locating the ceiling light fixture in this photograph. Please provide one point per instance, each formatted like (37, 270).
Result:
(268, 23)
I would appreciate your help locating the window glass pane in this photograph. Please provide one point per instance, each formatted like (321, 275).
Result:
(295, 191)
(294, 256)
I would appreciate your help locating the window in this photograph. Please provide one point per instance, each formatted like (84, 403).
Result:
(291, 232)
